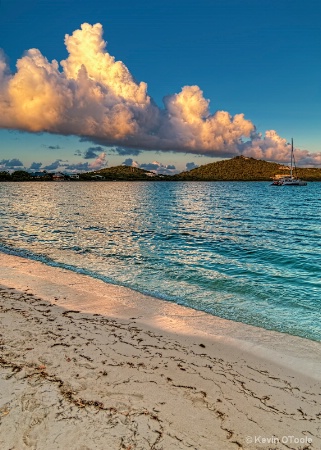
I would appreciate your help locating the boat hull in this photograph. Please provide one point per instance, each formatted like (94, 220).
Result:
(294, 183)
(289, 183)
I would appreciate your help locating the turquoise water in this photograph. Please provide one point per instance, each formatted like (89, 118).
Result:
(248, 252)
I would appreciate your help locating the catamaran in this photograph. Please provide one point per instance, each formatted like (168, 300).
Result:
(290, 180)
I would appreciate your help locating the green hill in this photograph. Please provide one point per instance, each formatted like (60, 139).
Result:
(242, 168)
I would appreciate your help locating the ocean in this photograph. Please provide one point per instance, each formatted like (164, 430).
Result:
(249, 252)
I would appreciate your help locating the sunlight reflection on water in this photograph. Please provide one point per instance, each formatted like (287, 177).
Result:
(242, 251)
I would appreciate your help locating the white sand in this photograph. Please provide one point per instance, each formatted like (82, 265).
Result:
(87, 365)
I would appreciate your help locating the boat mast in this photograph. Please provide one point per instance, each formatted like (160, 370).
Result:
(291, 155)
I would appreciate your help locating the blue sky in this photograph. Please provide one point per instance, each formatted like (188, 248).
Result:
(260, 58)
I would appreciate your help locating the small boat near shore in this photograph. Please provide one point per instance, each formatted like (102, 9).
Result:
(289, 180)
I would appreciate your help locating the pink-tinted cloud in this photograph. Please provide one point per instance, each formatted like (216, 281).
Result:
(99, 162)
(155, 167)
(272, 147)
(93, 96)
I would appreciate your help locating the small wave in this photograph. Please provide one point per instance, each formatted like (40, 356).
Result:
(238, 251)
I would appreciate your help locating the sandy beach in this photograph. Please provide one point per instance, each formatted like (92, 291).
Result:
(86, 365)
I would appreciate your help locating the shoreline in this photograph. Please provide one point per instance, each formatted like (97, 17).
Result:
(125, 370)
(288, 350)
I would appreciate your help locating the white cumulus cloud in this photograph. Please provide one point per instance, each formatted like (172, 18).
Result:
(93, 96)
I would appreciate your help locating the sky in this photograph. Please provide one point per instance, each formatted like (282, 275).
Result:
(165, 86)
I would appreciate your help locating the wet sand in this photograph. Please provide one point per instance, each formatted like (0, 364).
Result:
(87, 365)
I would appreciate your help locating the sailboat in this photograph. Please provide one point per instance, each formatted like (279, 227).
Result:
(290, 180)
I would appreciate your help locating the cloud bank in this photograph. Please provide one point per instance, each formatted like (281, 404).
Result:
(64, 166)
(93, 96)
(60, 165)
(11, 164)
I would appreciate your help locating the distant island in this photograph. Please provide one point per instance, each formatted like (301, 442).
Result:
(239, 168)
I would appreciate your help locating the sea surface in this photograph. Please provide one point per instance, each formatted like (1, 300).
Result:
(249, 252)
